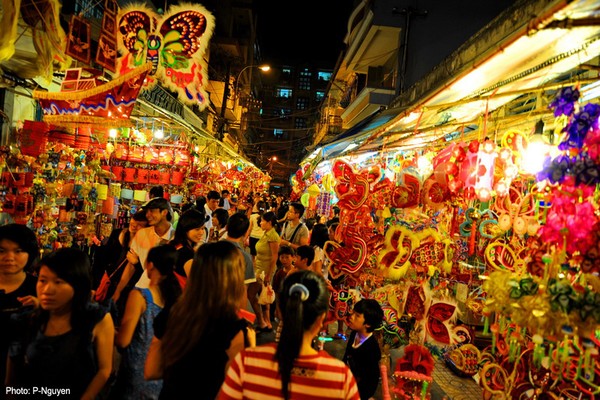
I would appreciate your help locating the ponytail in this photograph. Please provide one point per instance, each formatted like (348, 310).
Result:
(304, 297)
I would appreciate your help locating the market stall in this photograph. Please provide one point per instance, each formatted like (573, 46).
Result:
(101, 141)
(473, 215)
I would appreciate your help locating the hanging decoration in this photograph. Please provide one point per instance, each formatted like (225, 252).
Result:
(43, 18)
(79, 41)
(106, 54)
(174, 44)
(113, 100)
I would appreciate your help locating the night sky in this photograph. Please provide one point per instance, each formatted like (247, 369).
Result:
(311, 31)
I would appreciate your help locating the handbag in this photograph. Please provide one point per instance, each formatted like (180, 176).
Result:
(105, 283)
(267, 295)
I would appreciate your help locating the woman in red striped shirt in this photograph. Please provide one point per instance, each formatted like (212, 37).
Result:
(293, 369)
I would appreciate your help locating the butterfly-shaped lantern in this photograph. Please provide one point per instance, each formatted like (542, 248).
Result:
(174, 43)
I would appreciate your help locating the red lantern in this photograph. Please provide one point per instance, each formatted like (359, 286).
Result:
(177, 178)
(129, 175)
(165, 178)
(142, 175)
(118, 171)
(154, 177)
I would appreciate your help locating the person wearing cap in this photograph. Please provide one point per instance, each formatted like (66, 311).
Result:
(159, 215)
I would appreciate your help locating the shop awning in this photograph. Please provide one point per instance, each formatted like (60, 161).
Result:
(515, 55)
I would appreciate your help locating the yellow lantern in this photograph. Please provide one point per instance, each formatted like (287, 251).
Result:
(313, 190)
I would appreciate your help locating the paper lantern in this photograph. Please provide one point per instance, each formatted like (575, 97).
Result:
(176, 199)
(67, 189)
(177, 178)
(142, 175)
(139, 195)
(304, 199)
(33, 138)
(313, 190)
(324, 203)
(108, 206)
(117, 172)
(115, 190)
(127, 194)
(328, 182)
(154, 177)
(486, 158)
(63, 215)
(129, 175)
(102, 191)
(165, 178)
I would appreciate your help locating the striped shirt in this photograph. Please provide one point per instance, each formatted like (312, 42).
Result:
(253, 374)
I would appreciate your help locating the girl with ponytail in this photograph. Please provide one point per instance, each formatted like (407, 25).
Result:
(292, 367)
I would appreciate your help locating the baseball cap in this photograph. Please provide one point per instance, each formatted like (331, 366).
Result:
(159, 203)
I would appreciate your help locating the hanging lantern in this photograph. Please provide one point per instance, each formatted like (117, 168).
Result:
(313, 190)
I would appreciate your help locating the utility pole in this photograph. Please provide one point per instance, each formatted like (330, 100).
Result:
(402, 56)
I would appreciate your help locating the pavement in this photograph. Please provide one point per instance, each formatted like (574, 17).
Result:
(446, 385)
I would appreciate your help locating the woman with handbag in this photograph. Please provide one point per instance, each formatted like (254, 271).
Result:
(265, 265)
(111, 258)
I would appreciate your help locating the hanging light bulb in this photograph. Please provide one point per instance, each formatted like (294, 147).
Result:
(536, 152)
(112, 133)
(159, 134)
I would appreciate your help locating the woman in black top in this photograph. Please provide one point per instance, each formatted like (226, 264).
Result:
(189, 234)
(18, 252)
(206, 316)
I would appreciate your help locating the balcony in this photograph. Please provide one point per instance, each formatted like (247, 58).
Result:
(375, 30)
(365, 94)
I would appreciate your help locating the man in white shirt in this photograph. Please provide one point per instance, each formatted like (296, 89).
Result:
(159, 214)
(212, 203)
(226, 201)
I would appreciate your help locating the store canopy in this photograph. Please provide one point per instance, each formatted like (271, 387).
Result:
(514, 56)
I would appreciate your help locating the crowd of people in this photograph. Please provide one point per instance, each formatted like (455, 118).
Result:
(175, 316)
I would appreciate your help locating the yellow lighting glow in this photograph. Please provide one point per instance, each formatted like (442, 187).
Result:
(535, 155)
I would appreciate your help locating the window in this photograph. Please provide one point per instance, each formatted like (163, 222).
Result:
(300, 123)
(304, 81)
(286, 74)
(319, 95)
(285, 93)
(302, 103)
(278, 133)
(324, 76)
(88, 8)
(285, 113)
